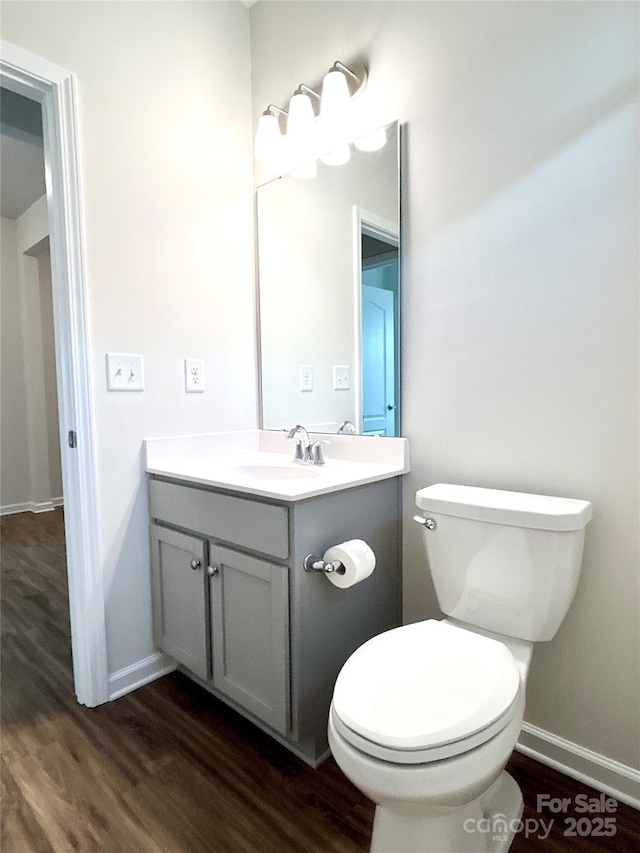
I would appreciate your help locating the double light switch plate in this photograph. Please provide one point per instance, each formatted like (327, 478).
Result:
(125, 372)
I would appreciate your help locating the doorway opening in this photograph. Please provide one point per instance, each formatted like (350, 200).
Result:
(53, 88)
(35, 600)
(31, 477)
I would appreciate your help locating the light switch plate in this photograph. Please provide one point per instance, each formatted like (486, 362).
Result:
(125, 372)
(341, 377)
(193, 375)
(306, 377)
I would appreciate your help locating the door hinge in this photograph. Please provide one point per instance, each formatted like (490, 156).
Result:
(73, 438)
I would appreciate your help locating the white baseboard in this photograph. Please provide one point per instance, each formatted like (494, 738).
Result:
(31, 506)
(13, 509)
(142, 672)
(46, 506)
(592, 768)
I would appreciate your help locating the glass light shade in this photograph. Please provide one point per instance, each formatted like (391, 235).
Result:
(373, 141)
(338, 156)
(301, 127)
(307, 170)
(335, 98)
(268, 144)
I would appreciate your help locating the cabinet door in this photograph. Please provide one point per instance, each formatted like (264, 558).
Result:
(250, 633)
(178, 572)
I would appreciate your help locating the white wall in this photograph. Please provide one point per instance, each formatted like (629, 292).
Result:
(165, 160)
(14, 459)
(520, 285)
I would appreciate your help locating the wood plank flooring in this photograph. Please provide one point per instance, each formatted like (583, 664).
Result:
(168, 767)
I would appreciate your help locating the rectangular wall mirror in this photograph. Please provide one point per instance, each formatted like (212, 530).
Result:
(329, 296)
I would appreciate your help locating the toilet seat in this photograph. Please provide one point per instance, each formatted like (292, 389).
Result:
(425, 692)
(422, 756)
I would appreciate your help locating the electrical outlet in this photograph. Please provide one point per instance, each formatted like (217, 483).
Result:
(193, 375)
(125, 372)
(306, 377)
(341, 377)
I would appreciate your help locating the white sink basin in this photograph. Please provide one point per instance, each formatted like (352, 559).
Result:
(260, 462)
(276, 472)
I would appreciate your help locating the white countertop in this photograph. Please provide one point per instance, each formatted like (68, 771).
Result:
(240, 462)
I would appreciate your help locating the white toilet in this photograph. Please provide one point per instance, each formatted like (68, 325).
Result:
(425, 717)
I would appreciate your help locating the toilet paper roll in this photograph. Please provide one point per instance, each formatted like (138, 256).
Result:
(357, 558)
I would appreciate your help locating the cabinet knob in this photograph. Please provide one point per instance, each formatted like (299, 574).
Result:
(212, 570)
(195, 564)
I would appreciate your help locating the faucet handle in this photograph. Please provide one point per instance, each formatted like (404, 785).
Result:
(299, 452)
(316, 448)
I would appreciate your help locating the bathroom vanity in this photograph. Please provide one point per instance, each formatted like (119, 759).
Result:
(232, 520)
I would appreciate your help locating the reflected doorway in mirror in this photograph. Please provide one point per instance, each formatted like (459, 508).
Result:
(379, 330)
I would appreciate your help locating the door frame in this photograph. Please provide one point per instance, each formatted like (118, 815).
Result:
(55, 89)
(366, 222)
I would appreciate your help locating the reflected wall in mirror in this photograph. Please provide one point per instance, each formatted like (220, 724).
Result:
(329, 296)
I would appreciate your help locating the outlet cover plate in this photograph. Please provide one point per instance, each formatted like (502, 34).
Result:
(306, 377)
(193, 375)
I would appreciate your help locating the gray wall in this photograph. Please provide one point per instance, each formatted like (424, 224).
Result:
(520, 265)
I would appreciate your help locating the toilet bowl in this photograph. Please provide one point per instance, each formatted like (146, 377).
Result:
(428, 759)
(425, 717)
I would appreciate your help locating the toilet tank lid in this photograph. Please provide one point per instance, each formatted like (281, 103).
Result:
(542, 512)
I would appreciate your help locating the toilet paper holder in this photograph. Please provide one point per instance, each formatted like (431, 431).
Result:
(312, 563)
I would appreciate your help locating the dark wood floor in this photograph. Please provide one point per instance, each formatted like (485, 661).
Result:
(169, 768)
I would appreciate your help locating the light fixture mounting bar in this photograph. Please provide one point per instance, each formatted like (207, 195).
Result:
(356, 76)
(309, 91)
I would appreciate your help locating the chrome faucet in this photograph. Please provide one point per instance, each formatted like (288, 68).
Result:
(303, 452)
(308, 452)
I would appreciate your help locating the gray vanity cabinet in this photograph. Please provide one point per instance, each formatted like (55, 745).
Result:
(249, 624)
(179, 604)
(249, 601)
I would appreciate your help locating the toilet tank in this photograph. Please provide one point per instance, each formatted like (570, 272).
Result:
(504, 561)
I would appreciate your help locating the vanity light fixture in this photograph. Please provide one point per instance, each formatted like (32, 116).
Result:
(314, 128)
(336, 98)
(301, 125)
(269, 144)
